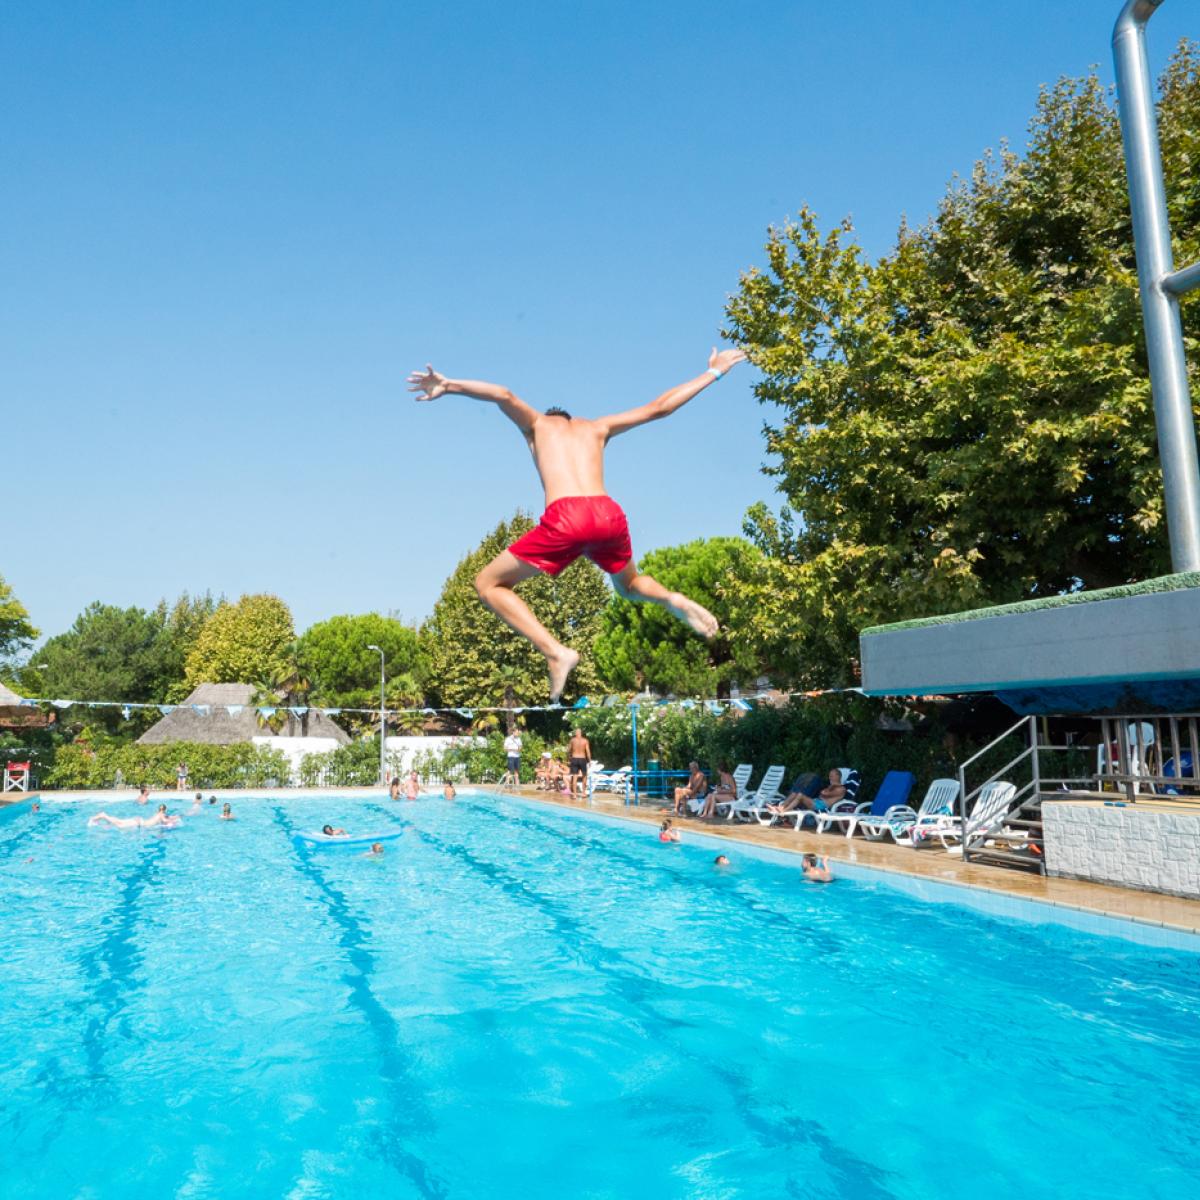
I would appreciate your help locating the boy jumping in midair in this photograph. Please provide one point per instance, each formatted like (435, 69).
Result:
(580, 517)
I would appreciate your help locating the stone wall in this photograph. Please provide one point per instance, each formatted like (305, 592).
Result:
(1149, 849)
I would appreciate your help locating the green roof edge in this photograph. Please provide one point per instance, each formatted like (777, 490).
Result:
(1164, 583)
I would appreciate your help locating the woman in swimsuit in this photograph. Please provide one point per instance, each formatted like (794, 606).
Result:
(160, 819)
(724, 793)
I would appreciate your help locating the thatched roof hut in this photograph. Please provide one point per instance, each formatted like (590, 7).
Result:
(221, 714)
(15, 715)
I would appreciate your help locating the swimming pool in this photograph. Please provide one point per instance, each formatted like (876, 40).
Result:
(516, 1000)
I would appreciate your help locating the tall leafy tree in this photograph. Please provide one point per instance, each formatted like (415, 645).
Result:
(643, 646)
(16, 632)
(334, 655)
(475, 659)
(968, 420)
(243, 643)
(109, 653)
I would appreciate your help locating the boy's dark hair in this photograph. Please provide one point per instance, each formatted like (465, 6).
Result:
(558, 412)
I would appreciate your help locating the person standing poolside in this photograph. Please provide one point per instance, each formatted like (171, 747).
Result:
(512, 749)
(181, 774)
(580, 753)
(697, 786)
(580, 516)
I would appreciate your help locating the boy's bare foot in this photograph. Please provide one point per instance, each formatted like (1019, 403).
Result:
(561, 665)
(696, 615)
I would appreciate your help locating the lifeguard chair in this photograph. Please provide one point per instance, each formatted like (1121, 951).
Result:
(16, 777)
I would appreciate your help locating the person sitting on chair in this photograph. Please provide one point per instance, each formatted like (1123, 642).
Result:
(695, 789)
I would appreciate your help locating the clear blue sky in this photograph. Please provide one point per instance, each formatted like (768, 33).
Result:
(230, 230)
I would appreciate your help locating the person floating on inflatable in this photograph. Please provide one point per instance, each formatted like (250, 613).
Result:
(580, 517)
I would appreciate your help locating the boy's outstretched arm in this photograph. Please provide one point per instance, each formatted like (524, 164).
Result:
(431, 385)
(718, 364)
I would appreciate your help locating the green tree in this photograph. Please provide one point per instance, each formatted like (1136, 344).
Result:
(16, 633)
(334, 656)
(644, 646)
(967, 420)
(242, 643)
(181, 624)
(109, 653)
(474, 657)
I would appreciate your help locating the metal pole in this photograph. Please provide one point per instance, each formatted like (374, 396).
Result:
(382, 717)
(633, 709)
(1160, 307)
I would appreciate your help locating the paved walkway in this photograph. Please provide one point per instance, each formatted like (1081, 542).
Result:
(1147, 908)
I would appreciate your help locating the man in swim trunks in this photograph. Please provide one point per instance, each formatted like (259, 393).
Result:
(580, 753)
(580, 517)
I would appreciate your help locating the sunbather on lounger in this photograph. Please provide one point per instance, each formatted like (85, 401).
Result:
(724, 793)
(798, 794)
(697, 786)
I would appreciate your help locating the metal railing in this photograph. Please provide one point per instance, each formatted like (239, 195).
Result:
(1028, 760)
(1150, 755)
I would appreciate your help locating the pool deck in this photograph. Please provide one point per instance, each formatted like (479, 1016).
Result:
(1145, 908)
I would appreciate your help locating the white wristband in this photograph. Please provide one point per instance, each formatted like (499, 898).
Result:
(715, 373)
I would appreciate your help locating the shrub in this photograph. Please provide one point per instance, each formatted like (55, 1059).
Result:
(80, 767)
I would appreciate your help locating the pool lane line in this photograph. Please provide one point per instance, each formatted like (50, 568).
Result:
(860, 1179)
(403, 1096)
(40, 822)
(723, 886)
(111, 970)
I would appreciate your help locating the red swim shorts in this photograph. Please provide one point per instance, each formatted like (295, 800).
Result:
(575, 525)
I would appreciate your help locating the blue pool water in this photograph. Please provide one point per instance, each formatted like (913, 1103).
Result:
(519, 1002)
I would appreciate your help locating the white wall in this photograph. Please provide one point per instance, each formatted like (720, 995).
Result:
(295, 748)
(1145, 848)
(403, 750)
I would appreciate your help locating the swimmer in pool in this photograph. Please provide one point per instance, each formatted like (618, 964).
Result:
(330, 831)
(227, 814)
(212, 799)
(394, 789)
(375, 851)
(159, 820)
(448, 792)
(816, 870)
(143, 796)
(720, 861)
(412, 786)
(35, 807)
(666, 833)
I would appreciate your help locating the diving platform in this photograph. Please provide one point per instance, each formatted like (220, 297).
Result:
(1123, 649)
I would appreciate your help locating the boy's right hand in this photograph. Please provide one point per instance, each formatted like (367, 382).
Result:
(723, 360)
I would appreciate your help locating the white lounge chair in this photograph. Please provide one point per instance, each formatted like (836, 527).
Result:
(749, 807)
(987, 814)
(940, 798)
(741, 777)
(610, 781)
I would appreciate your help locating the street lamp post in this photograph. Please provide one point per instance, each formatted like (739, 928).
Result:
(382, 717)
